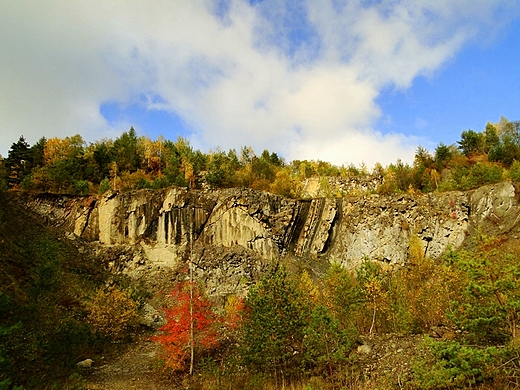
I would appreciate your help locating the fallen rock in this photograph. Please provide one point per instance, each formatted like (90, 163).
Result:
(150, 317)
(87, 363)
(365, 348)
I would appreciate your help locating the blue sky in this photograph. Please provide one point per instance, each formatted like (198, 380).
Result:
(479, 85)
(349, 81)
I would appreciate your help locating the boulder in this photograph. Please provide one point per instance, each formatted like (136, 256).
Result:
(87, 363)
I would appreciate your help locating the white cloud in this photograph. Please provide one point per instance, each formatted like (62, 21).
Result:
(239, 79)
(360, 146)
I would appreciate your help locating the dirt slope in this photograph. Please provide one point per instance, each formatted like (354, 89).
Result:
(134, 368)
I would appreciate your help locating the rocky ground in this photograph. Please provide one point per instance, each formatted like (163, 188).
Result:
(135, 367)
(384, 361)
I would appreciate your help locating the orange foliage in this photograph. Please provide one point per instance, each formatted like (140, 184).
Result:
(176, 337)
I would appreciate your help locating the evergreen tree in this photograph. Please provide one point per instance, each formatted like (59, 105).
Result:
(274, 324)
(471, 142)
(491, 137)
(37, 151)
(442, 155)
(126, 151)
(18, 163)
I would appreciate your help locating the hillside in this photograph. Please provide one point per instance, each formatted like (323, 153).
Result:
(48, 289)
(364, 278)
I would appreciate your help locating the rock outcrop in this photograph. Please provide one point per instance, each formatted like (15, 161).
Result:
(226, 226)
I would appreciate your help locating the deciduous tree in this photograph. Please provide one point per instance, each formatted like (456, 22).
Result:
(188, 309)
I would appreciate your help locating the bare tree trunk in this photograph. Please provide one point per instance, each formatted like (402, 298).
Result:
(373, 318)
(192, 336)
(328, 355)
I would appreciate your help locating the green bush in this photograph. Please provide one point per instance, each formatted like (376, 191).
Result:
(142, 183)
(481, 174)
(488, 307)
(514, 171)
(341, 295)
(486, 311)
(325, 344)
(81, 187)
(160, 182)
(451, 364)
(464, 178)
(104, 186)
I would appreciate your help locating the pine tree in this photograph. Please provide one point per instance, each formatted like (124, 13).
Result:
(18, 163)
(274, 322)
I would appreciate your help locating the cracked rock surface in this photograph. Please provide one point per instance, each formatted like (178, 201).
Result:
(254, 228)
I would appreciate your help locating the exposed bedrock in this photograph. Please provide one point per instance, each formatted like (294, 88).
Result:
(166, 223)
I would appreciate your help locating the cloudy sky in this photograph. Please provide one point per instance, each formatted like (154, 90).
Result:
(346, 81)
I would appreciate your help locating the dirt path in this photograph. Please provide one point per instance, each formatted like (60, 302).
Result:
(384, 359)
(134, 368)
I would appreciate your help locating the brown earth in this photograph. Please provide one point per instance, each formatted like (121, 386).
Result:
(382, 362)
(135, 367)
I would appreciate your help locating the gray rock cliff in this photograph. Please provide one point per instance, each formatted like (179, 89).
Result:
(236, 232)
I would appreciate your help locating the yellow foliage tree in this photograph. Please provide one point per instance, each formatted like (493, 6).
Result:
(377, 299)
(423, 287)
(376, 307)
(152, 151)
(56, 149)
(284, 185)
(112, 312)
(189, 173)
(308, 289)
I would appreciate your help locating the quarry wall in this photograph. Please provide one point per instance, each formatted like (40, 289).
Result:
(349, 229)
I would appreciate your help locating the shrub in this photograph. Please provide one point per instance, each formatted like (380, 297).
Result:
(104, 186)
(488, 307)
(160, 182)
(341, 295)
(284, 185)
(421, 291)
(453, 365)
(130, 181)
(111, 312)
(4, 332)
(81, 187)
(325, 344)
(514, 171)
(481, 174)
(142, 183)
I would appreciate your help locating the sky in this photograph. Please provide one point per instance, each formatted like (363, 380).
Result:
(349, 82)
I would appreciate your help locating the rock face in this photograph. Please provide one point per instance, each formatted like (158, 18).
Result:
(238, 231)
